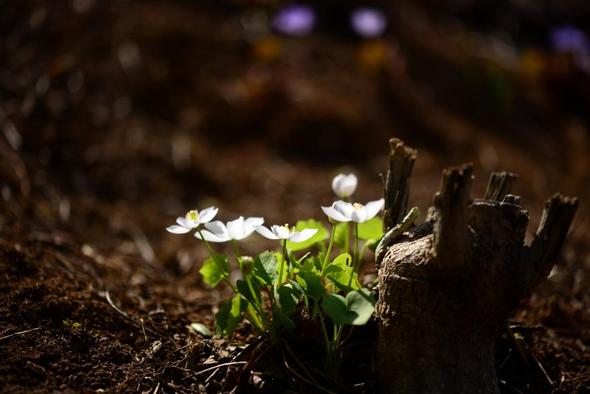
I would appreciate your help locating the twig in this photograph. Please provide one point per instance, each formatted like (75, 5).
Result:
(290, 351)
(253, 360)
(304, 379)
(548, 379)
(107, 296)
(19, 333)
(157, 388)
(216, 367)
(143, 245)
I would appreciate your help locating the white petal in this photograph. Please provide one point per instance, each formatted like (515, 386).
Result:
(303, 235)
(335, 215)
(345, 208)
(372, 208)
(175, 229)
(210, 237)
(247, 232)
(184, 222)
(217, 228)
(254, 221)
(359, 215)
(207, 214)
(344, 185)
(336, 183)
(282, 232)
(235, 228)
(266, 233)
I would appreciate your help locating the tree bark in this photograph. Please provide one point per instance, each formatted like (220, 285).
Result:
(448, 285)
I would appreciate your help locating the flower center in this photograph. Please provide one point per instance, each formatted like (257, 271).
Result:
(357, 206)
(192, 215)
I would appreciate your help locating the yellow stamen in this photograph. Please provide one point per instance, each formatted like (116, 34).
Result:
(357, 206)
(192, 215)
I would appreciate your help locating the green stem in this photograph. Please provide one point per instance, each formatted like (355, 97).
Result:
(254, 317)
(285, 261)
(320, 318)
(219, 266)
(337, 334)
(347, 238)
(355, 257)
(329, 251)
(258, 318)
(355, 253)
(257, 302)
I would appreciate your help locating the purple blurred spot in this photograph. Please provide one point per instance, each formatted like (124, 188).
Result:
(295, 20)
(569, 39)
(368, 22)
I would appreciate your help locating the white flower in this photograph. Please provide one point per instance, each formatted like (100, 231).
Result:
(344, 185)
(192, 220)
(284, 232)
(235, 230)
(342, 211)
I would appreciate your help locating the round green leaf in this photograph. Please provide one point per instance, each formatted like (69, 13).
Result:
(354, 309)
(230, 315)
(362, 304)
(335, 307)
(265, 267)
(215, 270)
(371, 229)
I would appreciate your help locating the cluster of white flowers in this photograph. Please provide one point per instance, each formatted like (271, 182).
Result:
(235, 230)
(216, 231)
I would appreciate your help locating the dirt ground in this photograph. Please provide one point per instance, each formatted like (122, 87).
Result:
(119, 116)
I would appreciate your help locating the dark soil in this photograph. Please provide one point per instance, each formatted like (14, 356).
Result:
(118, 116)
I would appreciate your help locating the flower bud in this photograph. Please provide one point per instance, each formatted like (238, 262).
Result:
(246, 264)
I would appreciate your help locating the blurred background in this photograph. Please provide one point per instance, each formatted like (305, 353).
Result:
(117, 116)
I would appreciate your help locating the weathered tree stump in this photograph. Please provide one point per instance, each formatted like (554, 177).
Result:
(448, 285)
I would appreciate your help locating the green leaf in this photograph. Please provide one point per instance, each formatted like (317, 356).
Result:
(266, 267)
(321, 235)
(342, 260)
(371, 229)
(287, 298)
(362, 303)
(339, 271)
(310, 280)
(214, 272)
(336, 308)
(318, 260)
(297, 264)
(244, 289)
(280, 319)
(354, 309)
(296, 287)
(230, 315)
